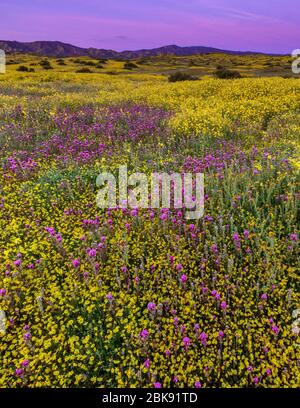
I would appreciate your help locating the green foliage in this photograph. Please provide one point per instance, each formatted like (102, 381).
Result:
(224, 73)
(60, 61)
(23, 68)
(45, 64)
(84, 71)
(130, 65)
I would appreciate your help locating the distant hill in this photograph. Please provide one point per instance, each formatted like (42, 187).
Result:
(60, 50)
(180, 51)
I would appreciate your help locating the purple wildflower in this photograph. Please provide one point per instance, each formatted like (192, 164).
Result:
(151, 307)
(246, 233)
(27, 336)
(221, 334)
(144, 334)
(2, 292)
(92, 253)
(223, 305)
(186, 342)
(25, 363)
(19, 372)
(203, 338)
(236, 237)
(75, 263)
(183, 278)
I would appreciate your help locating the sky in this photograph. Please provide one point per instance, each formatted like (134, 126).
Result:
(245, 25)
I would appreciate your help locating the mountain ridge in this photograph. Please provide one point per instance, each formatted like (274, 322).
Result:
(60, 50)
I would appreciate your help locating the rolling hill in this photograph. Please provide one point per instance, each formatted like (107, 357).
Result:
(60, 50)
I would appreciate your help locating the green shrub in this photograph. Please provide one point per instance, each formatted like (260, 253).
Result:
(23, 68)
(142, 61)
(130, 65)
(89, 63)
(46, 64)
(224, 73)
(84, 71)
(181, 76)
(60, 61)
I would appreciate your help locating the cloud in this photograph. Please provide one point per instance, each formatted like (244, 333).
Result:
(243, 15)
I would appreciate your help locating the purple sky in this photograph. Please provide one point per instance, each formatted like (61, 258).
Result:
(258, 25)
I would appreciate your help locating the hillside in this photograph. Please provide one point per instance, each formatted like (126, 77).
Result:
(60, 49)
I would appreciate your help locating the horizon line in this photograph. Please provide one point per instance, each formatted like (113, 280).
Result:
(140, 49)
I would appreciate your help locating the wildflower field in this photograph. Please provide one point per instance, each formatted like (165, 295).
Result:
(145, 298)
